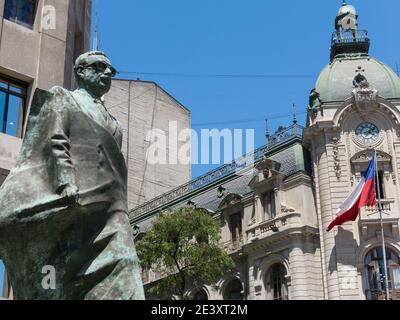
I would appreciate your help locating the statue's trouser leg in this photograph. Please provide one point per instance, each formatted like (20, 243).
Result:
(123, 281)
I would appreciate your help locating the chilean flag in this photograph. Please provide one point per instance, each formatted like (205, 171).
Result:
(363, 195)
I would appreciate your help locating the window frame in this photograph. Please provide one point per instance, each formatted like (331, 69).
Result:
(14, 18)
(230, 292)
(279, 288)
(23, 96)
(374, 271)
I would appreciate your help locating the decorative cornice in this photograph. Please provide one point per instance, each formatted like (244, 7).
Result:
(230, 200)
(365, 156)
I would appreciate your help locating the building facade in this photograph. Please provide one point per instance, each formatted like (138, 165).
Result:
(274, 214)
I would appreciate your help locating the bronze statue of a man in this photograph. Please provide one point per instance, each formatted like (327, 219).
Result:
(63, 206)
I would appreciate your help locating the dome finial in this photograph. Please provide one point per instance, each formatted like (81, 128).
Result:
(346, 17)
(348, 38)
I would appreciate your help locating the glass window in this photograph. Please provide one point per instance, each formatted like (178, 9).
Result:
(234, 290)
(3, 96)
(269, 206)
(278, 282)
(376, 272)
(21, 11)
(380, 191)
(396, 277)
(3, 84)
(12, 108)
(235, 225)
(200, 295)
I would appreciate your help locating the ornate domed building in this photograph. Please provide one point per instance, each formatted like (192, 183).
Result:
(354, 109)
(274, 214)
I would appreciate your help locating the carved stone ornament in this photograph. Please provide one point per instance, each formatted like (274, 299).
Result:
(266, 173)
(286, 209)
(366, 156)
(230, 200)
(366, 98)
(336, 157)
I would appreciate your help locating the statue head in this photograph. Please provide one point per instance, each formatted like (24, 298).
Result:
(93, 71)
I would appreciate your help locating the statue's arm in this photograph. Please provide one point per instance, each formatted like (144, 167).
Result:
(57, 119)
(60, 147)
(118, 131)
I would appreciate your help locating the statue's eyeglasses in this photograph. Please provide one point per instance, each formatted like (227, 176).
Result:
(101, 66)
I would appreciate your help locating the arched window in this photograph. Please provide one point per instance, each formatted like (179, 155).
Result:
(200, 294)
(276, 283)
(234, 290)
(375, 273)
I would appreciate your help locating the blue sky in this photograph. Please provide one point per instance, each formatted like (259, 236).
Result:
(236, 37)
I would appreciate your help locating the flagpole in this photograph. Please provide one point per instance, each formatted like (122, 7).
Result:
(382, 230)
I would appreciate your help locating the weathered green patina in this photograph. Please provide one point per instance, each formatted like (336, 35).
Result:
(64, 204)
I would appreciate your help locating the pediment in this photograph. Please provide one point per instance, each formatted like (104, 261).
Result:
(230, 200)
(366, 156)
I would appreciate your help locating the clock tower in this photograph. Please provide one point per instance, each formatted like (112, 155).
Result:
(353, 110)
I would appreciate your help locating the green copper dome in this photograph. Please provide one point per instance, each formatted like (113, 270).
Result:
(350, 58)
(335, 82)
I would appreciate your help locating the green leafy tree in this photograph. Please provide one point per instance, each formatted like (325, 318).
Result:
(183, 246)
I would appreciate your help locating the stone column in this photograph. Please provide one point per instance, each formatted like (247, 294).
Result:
(298, 273)
(323, 179)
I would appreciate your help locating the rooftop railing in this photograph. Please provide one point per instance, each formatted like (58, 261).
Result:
(350, 36)
(284, 134)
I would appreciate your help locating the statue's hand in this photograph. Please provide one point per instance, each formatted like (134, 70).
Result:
(71, 193)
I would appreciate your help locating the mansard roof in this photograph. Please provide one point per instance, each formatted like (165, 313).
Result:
(209, 191)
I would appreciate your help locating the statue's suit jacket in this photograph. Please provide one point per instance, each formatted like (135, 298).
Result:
(63, 145)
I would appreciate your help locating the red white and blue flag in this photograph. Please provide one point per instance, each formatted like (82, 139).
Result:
(363, 195)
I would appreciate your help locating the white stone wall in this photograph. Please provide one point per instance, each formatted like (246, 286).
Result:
(334, 147)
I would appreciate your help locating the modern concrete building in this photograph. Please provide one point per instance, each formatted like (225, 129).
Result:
(146, 111)
(39, 41)
(274, 214)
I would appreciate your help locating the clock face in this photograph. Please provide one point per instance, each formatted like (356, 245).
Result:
(368, 133)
